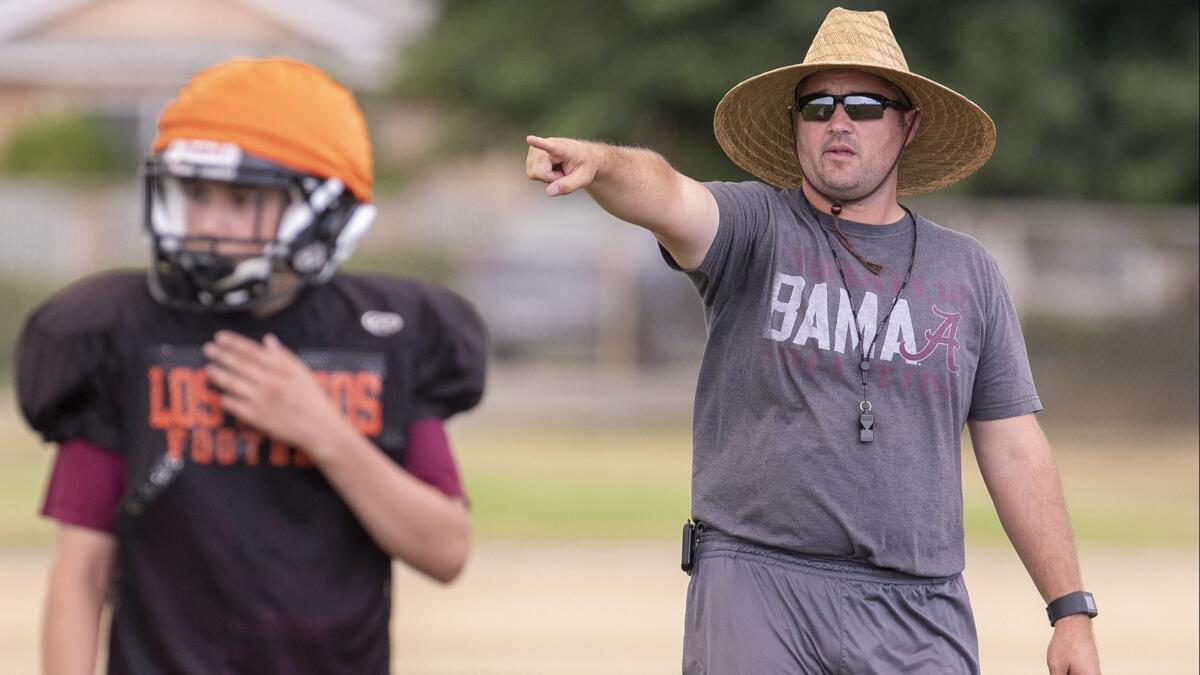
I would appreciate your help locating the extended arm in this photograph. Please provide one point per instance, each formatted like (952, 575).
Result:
(83, 560)
(1018, 469)
(635, 185)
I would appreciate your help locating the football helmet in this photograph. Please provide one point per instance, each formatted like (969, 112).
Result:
(260, 175)
(315, 231)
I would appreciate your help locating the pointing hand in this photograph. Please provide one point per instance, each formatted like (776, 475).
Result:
(566, 164)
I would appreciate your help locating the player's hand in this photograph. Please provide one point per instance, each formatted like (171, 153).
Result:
(1073, 648)
(267, 387)
(566, 164)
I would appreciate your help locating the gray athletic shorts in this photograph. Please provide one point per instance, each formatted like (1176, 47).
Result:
(753, 610)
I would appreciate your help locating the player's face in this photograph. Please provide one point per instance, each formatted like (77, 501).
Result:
(232, 214)
(843, 158)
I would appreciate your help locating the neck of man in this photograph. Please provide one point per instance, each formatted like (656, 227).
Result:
(879, 208)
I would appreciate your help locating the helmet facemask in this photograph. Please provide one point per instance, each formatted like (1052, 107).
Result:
(232, 232)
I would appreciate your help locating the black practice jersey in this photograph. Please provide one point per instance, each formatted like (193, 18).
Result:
(235, 555)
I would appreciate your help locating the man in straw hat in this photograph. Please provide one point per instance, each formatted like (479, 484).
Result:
(247, 437)
(850, 341)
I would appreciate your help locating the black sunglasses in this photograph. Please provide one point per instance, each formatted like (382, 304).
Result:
(858, 106)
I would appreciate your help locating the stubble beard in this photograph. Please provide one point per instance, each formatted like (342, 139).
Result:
(845, 188)
(843, 185)
(846, 185)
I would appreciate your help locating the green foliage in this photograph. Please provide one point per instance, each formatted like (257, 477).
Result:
(69, 144)
(1094, 100)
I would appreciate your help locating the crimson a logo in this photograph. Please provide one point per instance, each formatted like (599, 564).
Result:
(946, 334)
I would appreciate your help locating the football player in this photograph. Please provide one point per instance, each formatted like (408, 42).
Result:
(245, 439)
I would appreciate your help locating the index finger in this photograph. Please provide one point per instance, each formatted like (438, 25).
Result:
(548, 145)
(539, 165)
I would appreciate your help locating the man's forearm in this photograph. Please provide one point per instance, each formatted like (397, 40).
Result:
(1020, 474)
(639, 186)
(636, 185)
(1030, 504)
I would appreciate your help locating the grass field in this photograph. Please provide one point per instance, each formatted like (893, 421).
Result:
(575, 560)
(1123, 488)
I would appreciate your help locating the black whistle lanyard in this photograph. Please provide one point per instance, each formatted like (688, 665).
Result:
(866, 420)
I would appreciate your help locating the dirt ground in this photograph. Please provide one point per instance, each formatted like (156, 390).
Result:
(533, 604)
(557, 609)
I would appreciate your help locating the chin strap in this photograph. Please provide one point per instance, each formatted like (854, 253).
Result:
(836, 210)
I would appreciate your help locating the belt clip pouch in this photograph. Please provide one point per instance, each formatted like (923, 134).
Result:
(687, 560)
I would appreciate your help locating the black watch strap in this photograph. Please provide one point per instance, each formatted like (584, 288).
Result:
(1079, 602)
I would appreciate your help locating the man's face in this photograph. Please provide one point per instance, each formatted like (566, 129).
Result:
(843, 158)
(232, 214)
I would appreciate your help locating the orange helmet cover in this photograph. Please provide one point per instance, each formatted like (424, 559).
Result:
(277, 109)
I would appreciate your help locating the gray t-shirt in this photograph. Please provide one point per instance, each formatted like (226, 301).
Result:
(778, 459)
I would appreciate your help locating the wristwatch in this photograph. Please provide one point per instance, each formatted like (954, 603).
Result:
(1079, 602)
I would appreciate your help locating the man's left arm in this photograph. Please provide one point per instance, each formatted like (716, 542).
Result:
(1018, 469)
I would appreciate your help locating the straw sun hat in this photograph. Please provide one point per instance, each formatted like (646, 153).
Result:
(753, 122)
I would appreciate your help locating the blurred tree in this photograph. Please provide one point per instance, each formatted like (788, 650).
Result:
(66, 145)
(1093, 99)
